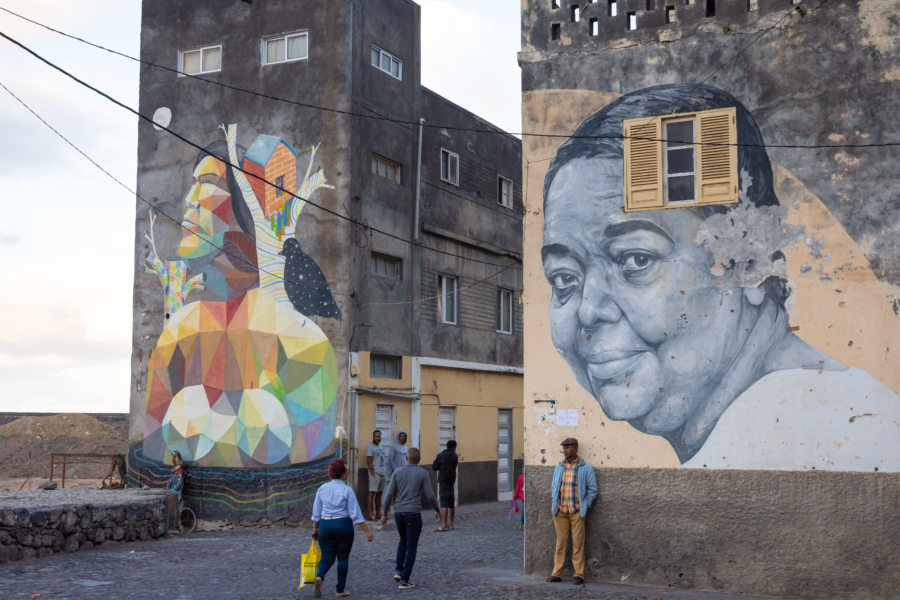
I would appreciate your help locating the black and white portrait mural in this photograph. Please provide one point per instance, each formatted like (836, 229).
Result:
(678, 320)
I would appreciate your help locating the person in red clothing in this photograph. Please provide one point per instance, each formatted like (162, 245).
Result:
(519, 494)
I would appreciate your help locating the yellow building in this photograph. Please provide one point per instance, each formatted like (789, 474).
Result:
(436, 400)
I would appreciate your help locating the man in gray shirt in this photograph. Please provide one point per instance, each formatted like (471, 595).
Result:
(410, 482)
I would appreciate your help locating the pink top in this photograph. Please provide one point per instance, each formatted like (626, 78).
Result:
(519, 494)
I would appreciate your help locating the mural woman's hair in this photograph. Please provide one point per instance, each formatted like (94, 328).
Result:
(601, 136)
(219, 149)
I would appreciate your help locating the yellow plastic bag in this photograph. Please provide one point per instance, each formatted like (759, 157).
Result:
(309, 564)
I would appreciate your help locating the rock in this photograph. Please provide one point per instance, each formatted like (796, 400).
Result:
(24, 538)
(44, 551)
(71, 543)
(39, 518)
(118, 533)
(48, 485)
(86, 546)
(28, 553)
(68, 522)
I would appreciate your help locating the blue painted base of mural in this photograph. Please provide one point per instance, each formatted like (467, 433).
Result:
(238, 495)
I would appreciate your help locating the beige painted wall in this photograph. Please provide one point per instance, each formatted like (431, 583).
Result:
(852, 306)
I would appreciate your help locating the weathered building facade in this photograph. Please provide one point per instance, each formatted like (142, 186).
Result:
(336, 241)
(711, 286)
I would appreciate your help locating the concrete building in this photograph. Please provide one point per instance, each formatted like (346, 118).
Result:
(718, 223)
(339, 249)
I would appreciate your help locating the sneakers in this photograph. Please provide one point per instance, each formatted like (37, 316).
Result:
(317, 590)
(397, 576)
(405, 585)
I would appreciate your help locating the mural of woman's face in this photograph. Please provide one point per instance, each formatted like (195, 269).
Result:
(207, 210)
(635, 311)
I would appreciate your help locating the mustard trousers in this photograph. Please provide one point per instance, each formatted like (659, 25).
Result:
(564, 523)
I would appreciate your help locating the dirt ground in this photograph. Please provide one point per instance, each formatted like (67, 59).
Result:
(27, 443)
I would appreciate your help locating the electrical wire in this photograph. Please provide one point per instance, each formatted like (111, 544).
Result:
(469, 129)
(241, 169)
(426, 298)
(155, 208)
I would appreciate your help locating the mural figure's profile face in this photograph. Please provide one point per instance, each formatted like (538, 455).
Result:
(635, 311)
(207, 210)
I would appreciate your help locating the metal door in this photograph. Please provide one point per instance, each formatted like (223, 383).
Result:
(386, 422)
(504, 454)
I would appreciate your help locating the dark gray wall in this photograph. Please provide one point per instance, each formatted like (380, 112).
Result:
(788, 534)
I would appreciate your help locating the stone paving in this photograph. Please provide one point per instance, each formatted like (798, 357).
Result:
(480, 559)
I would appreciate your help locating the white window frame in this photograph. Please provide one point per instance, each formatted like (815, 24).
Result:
(504, 300)
(393, 60)
(201, 50)
(285, 36)
(504, 196)
(665, 168)
(448, 296)
(450, 162)
(377, 161)
(386, 259)
(385, 360)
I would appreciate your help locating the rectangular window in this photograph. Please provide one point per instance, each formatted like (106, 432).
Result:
(504, 192)
(671, 17)
(200, 60)
(385, 266)
(632, 21)
(449, 167)
(381, 365)
(681, 160)
(554, 3)
(594, 26)
(384, 167)
(554, 31)
(279, 186)
(613, 8)
(448, 288)
(576, 13)
(387, 62)
(504, 311)
(285, 48)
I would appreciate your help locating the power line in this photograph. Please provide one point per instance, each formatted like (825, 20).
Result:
(465, 129)
(242, 170)
(151, 205)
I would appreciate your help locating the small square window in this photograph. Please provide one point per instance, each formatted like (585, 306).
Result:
(386, 62)
(200, 60)
(504, 311)
(385, 266)
(285, 48)
(388, 367)
(384, 167)
(554, 31)
(554, 3)
(449, 167)
(448, 288)
(504, 192)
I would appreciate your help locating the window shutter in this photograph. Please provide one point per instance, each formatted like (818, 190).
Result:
(717, 156)
(643, 164)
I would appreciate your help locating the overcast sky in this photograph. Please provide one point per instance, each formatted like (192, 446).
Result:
(67, 230)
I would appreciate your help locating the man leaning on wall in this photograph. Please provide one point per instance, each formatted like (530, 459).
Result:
(572, 492)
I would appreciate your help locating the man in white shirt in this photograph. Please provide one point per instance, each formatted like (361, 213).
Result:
(377, 464)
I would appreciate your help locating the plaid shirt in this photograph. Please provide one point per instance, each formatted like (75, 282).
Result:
(568, 491)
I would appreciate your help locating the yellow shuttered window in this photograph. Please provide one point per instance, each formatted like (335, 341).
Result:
(681, 160)
(718, 156)
(643, 164)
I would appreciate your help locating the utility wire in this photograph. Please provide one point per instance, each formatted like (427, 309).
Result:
(466, 129)
(426, 298)
(242, 170)
(209, 241)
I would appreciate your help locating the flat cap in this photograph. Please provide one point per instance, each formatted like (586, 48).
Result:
(569, 442)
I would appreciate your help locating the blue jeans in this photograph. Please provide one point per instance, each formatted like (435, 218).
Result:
(409, 526)
(335, 540)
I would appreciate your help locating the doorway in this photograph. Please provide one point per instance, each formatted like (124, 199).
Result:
(504, 454)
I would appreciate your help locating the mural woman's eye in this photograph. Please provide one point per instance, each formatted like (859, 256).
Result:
(564, 285)
(635, 262)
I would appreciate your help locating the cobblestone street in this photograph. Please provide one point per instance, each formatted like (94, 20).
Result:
(480, 559)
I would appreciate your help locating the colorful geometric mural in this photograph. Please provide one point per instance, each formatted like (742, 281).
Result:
(239, 378)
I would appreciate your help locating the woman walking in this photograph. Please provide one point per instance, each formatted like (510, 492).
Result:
(335, 511)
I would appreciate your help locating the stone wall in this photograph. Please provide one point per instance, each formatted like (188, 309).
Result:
(37, 523)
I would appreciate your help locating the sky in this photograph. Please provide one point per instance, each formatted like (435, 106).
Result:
(67, 230)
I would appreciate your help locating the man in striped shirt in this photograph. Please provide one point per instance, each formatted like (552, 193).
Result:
(573, 490)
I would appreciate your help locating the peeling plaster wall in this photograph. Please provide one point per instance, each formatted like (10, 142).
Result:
(817, 74)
